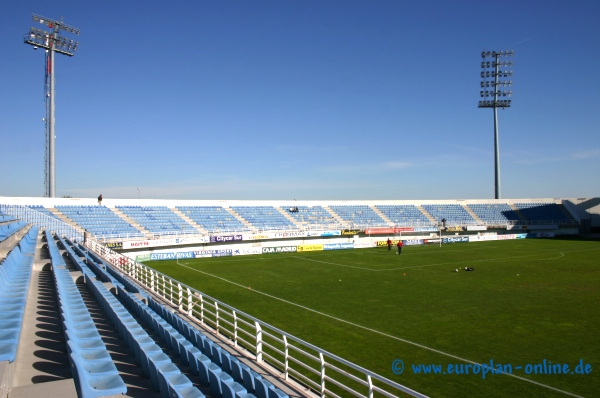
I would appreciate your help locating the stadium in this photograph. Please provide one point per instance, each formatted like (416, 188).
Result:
(403, 268)
(277, 288)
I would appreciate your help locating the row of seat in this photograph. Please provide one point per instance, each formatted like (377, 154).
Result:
(164, 375)
(6, 217)
(541, 211)
(359, 214)
(223, 373)
(15, 273)
(9, 229)
(94, 372)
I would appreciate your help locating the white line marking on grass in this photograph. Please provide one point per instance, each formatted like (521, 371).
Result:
(377, 331)
(511, 258)
(327, 262)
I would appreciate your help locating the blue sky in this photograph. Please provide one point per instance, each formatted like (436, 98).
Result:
(303, 99)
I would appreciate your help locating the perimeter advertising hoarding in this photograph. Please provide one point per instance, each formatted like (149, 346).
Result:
(225, 238)
(324, 233)
(425, 229)
(213, 253)
(350, 231)
(364, 245)
(247, 251)
(456, 239)
(476, 228)
(291, 234)
(514, 236)
(257, 236)
(142, 258)
(171, 255)
(338, 246)
(384, 242)
(454, 229)
(482, 238)
(413, 242)
(310, 248)
(383, 231)
(279, 249)
(114, 245)
(136, 244)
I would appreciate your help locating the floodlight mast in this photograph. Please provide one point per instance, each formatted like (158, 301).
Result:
(52, 42)
(495, 93)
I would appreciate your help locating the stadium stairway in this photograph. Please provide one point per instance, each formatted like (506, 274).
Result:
(62, 217)
(133, 223)
(335, 216)
(429, 216)
(287, 215)
(189, 220)
(518, 212)
(472, 214)
(241, 219)
(380, 214)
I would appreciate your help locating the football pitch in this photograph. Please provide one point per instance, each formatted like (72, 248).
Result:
(530, 306)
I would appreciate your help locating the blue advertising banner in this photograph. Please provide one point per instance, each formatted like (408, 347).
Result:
(412, 242)
(171, 255)
(213, 253)
(456, 239)
(226, 238)
(338, 246)
(425, 229)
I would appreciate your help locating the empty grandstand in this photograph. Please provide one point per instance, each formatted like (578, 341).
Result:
(454, 214)
(100, 221)
(159, 220)
(264, 218)
(404, 215)
(214, 219)
(358, 216)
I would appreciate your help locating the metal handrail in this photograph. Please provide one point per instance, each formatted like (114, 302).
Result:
(197, 301)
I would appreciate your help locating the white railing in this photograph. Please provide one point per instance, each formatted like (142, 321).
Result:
(43, 220)
(325, 373)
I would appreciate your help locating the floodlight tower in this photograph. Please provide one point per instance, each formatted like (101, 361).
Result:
(489, 88)
(52, 42)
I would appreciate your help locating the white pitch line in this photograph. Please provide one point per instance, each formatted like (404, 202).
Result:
(378, 332)
(511, 258)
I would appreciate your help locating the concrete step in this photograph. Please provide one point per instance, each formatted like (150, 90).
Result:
(131, 221)
(243, 220)
(189, 220)
(472, 214)
(380, 214)
(426, 214)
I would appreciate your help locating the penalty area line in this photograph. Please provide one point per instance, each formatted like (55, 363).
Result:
(378, 332)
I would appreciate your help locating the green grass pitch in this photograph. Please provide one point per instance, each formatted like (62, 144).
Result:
(526, 301)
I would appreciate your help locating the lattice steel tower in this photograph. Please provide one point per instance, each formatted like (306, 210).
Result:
(53, 43)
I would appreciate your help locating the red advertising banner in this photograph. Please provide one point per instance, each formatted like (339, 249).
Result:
(383, 231)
